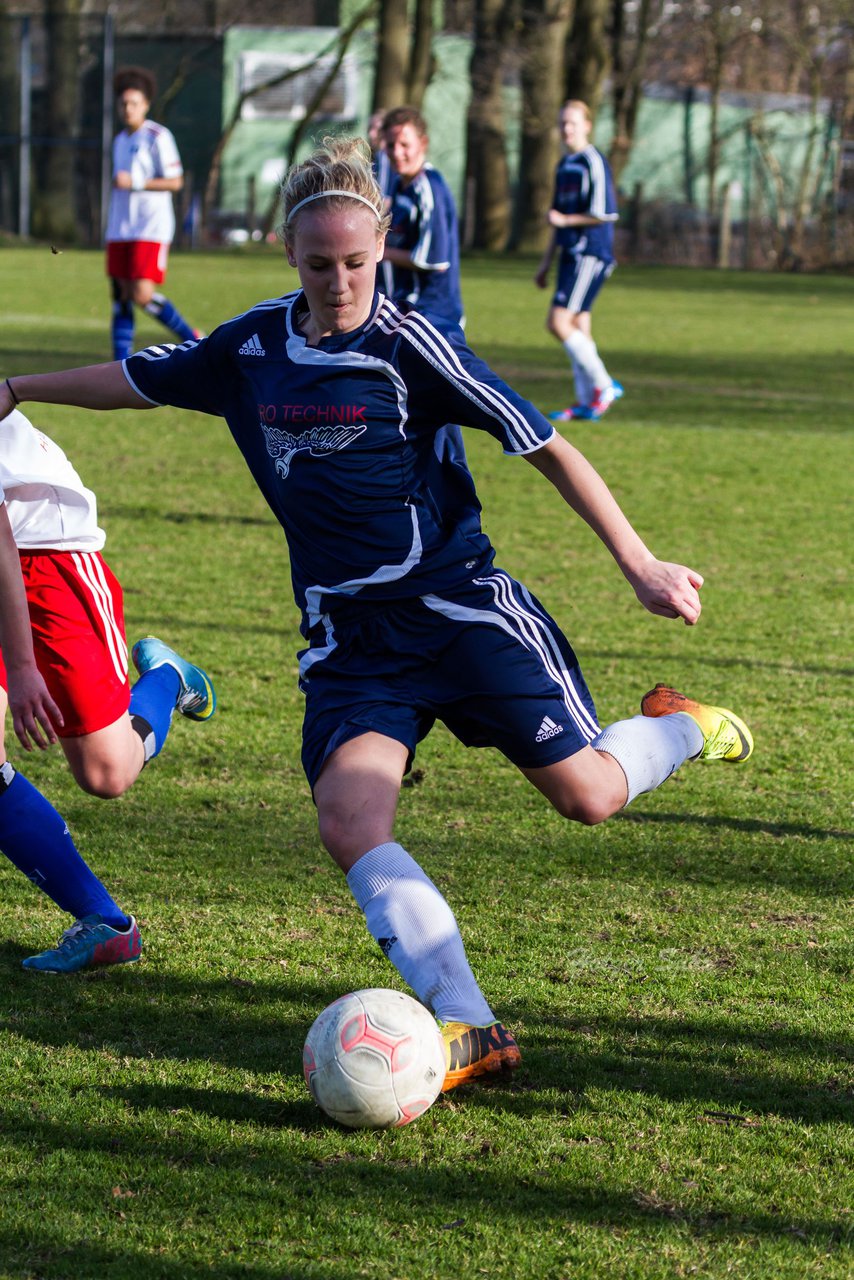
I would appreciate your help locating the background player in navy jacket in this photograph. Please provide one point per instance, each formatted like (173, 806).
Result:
(582, 216)
(335, 396)
(423, 242)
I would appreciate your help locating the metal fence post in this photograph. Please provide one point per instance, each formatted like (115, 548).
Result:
(25, 59)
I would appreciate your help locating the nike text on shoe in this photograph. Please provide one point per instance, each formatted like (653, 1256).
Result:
(197, 699)
(472, 1053)
(89, 944)
(725, 736)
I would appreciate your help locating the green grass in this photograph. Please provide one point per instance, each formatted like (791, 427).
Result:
(679, 978)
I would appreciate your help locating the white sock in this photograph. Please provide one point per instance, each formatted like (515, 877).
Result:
(583, 386)
(584, 351)
(648, 749)
(416, 930)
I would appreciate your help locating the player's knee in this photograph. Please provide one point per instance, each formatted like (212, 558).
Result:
(335, 834)
(344, 839)
(588, 809)
(106, 781)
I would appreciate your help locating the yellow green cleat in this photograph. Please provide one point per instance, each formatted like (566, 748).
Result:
(472, 1053)
(725, 736)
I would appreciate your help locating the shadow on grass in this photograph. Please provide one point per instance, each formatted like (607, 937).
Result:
(123, 511)
(749, 826)
(648, 659)
(345, 1189)
(260, 1026)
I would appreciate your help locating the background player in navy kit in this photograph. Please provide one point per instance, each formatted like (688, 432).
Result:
(423, 243)
(141, 224)
(385, 179)
(582, 216)
(406, 618)
(64, 663)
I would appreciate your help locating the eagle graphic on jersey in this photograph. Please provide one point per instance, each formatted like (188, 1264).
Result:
(318, 442)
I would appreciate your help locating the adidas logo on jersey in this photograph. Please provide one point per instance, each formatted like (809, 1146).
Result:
(548, 729)
(252, 347)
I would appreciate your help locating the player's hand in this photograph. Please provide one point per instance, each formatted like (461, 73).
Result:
(669, 590)
(557, 219)
(541, 278)
(123, 180)
(35, 715)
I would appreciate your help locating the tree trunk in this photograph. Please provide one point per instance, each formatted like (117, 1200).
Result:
(488, 207)
(421, 53)
(10, 116)
(391, 78)
(53, 204)
(627, 69)
(542, 43)
(587, 55)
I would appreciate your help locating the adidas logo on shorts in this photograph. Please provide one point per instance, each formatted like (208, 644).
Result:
(548, 729)
(252, 347)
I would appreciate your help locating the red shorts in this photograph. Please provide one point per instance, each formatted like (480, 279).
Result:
(78, 625)
(137, 260)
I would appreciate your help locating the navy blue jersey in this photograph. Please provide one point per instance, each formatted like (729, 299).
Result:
(385, 176)
(583, 184)
(341, 439)
(424, 224)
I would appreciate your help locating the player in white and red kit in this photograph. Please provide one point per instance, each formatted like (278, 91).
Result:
(64, 664)
(147, 169)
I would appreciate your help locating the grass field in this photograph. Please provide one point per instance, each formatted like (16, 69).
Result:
(679, 979)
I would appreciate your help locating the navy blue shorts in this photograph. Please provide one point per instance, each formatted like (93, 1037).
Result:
(489, 662)
(579, 279)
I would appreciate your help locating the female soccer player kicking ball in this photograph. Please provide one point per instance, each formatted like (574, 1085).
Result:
(334, 395)
(64, 663)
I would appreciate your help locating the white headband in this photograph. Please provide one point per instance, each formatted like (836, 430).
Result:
(321, 195)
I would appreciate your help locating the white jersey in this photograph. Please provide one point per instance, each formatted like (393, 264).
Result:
(149, 152)
(50, 508)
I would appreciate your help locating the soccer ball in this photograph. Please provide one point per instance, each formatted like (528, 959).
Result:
(374, 1059)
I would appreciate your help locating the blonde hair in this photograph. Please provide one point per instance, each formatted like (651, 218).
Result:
(341, 167)
(580, 106)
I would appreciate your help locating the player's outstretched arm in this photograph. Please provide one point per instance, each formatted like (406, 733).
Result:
(542, 273)
(95, 386)
(670, 590)
(35, 715)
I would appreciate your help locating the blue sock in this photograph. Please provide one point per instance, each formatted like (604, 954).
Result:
(152, 701)
(168, 314)
(35, 839)
(122, 330)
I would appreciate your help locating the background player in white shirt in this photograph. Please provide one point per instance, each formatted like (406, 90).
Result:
(64, 665)
(406, 618)
(147, 170)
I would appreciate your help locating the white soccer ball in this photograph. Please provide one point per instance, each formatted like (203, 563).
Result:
(374, 1059)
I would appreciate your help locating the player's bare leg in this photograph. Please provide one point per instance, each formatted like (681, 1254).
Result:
(588, 787)
(595, 388)
(356, 796)
(633, 756)
(105, 763)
